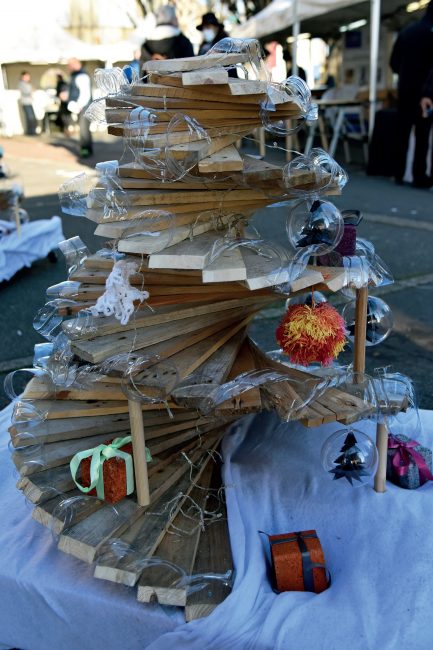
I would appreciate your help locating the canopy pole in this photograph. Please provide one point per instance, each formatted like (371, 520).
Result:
(295, 33)
(374, 61)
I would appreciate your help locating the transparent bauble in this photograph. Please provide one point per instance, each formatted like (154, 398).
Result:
(310, 298)
(312, 174)
(350, 457)
(315, 224)
(379, 321)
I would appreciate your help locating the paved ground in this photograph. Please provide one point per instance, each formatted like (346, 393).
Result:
(398, 220)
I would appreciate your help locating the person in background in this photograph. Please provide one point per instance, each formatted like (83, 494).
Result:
(63, 120)
(80, 97)
(167, 40)
(135, 65)
(427, 109)
(212, 31)
(427, 96)
(411, 59)
(26, 102)
(287, 56)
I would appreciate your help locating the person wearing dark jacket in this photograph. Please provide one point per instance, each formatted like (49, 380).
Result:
(427, 96)
(167, 41)
(63, 120)
(80, 98)
(212, 31)
(411, 59)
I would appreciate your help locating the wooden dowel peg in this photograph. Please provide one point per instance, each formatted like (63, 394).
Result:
(360, 330)
(382, 448)
(139, 451)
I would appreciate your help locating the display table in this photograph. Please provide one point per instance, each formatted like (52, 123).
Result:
(34, 241)
(378, 548)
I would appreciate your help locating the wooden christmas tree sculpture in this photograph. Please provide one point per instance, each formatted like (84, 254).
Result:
(149, 335)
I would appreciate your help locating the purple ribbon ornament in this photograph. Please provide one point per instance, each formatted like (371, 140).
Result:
(404, 455)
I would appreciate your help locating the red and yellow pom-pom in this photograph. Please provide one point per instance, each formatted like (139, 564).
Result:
(312, 334)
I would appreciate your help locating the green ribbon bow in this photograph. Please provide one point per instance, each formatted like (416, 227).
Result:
(99, 455)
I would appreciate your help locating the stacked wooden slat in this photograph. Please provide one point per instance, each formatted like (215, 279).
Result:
(194, 324)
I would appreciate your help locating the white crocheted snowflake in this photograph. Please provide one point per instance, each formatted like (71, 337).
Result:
(119, 296)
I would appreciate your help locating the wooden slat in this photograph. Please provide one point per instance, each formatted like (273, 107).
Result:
(55, 454)
(179, 549)
(225, 160)
(213, 556)
(214, 76)
(44, 485)
(191, 359)
(164, 315)
(63, 511)
(169, 197)
(73, 409)
(185, 213)
(224, 93)
(194, 63)
(250, 401)
(99, 349)
(86, 539)
(146, 534)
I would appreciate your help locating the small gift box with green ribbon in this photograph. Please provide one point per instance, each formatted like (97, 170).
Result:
(107, 471)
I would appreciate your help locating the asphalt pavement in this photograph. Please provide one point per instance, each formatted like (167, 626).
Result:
(397, 219)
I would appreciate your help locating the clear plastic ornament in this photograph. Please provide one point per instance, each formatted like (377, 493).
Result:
(72, 509)
(97, 111)
(83, 324)
(109, 254)
(313, 174)
(362, 387)
(41, 354)
(48, 320)
(75, 253)
(60, 364)
(110, 80)
(180, 158)
(25, 415)
(166, 145)
(67, 289)
(147, 151)
(398, 404)
(9, 381)
(151, 232)
(315, 224)
(379, 321)
(362, 269)
(268, 258)
(250, 60)
(293, 90)
(73, 194)
(27, 453)
(350, 457)
(310, 298)
(100, 192)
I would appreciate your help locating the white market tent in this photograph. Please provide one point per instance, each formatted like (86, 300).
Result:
(49, 43)
(279, 15)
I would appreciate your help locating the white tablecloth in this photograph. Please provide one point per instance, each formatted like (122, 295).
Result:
(36, 240)
(378, 547)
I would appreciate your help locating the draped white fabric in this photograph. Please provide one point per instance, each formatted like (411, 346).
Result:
(378, 547)
(20, 249)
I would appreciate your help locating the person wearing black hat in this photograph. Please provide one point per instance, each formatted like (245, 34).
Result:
(212, 30)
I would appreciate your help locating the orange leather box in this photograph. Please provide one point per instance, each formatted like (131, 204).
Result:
(298, 562)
